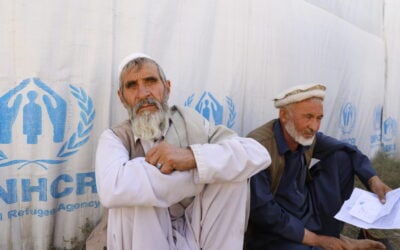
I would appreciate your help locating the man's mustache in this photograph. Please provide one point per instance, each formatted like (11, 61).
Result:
(148, 101)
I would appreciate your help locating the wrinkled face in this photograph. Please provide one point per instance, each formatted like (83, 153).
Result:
(145, 97)
(302, 120)
(141, 84)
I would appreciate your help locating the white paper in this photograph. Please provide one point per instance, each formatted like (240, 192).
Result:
(313, 162)
(364, 210)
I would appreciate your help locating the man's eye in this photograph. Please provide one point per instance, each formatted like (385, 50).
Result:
(309, 117)
(131, 85)
(151, 80)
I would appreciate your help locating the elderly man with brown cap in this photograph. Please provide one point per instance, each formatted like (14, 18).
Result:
(169, 178)
(294, 201)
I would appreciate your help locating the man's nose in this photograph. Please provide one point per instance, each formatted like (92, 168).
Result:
(143, 91)
(314, 124)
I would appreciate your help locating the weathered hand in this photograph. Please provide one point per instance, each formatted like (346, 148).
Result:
(171, 157)
(344, 243)
(331, 243)
(325, 242)
(378, 187)
(353, 244)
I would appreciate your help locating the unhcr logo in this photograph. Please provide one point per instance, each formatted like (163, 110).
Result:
(375, 138)
(347, 118)
(377, 117)
(389, 133)
(42, 115)
(389, 129)
(211, 109)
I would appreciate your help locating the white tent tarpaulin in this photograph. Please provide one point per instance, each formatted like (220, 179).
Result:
(226, 59)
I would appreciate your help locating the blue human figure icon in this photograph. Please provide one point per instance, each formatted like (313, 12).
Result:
(206, 110)
(199, 105)
(217, 110)
(347, 118)
(57, 112)
(389, 128)
(377, 117)
(8, 113)
(348, 115)
(32, 119)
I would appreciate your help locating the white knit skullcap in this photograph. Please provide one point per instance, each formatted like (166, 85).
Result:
(299, 93)
(129, 58)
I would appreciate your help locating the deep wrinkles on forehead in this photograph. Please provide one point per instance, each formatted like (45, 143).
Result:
(136, 65)
(131, 66)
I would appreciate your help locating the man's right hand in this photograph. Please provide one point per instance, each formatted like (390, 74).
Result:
(344, 243)
(354, 244)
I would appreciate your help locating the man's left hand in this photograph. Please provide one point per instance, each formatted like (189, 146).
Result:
(170, 158)
(378, 187)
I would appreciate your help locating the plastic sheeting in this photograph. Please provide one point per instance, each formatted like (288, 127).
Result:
(226, 59)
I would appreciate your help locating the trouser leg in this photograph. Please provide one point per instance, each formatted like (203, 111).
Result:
(217, 216)
(139, 228)
(332, 184)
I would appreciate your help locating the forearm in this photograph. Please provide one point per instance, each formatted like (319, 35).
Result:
(325, 242)
(234, 159)
(362, 167)
(124, 182)
(310, 238)
(141, 184)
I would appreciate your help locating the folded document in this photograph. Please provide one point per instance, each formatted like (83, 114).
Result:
(364, 210)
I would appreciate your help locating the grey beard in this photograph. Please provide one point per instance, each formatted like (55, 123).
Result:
(289, 126)
(149, 125)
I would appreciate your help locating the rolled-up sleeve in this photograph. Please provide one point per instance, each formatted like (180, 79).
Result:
(232, 159)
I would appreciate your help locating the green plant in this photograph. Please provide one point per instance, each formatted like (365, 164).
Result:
(75, 242)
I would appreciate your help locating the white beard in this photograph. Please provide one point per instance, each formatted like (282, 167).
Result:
(289, 126)
(149, 125)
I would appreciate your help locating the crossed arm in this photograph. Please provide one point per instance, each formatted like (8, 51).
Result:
(122, 182)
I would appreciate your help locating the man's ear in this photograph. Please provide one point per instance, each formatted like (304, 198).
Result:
(122, 98)
(283, 115)
(120, 95)
(167, 86)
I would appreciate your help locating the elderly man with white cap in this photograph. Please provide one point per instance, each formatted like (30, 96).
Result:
(171, 179)
(294, 201)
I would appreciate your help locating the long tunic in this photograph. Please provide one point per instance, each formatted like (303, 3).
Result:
(134, 186)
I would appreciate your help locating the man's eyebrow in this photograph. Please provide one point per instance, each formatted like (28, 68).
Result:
(150, 78)
(131, 82)
(146, 79)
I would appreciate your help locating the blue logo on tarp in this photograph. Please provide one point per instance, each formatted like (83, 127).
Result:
(389, 132)
(40, 101)
(375, 137)
(347, 118)
(212, 109)
(377, 117)
(389, 129)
